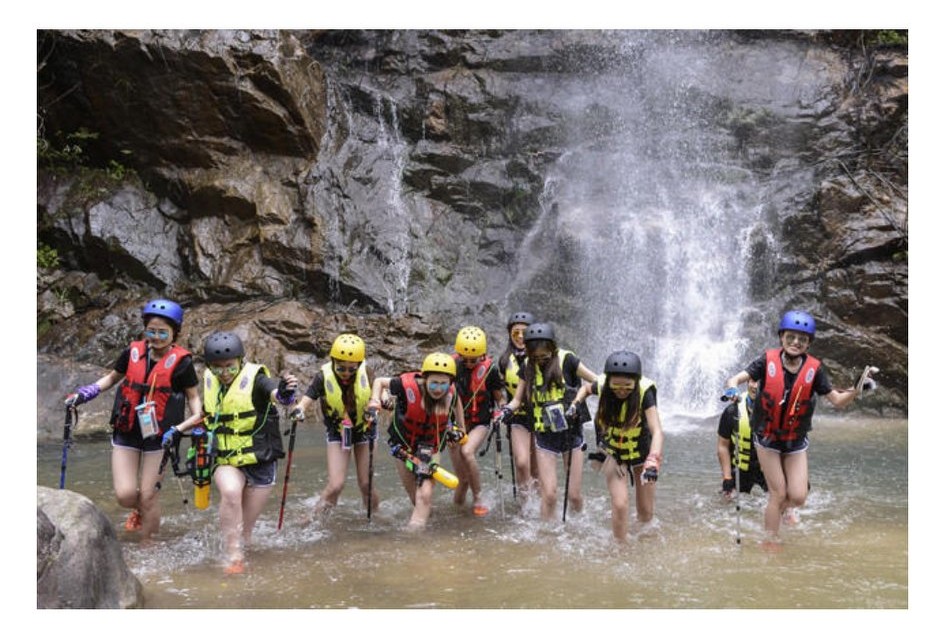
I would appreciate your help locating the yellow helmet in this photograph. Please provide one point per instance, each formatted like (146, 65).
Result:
(348, 347)
(439, 362)
(471, 342)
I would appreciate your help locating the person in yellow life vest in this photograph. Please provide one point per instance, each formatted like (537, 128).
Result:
(789, 382)
(520, 431)
(548, 382)
(735, 448)
(481, 391)
(427, 416)
(343, 385)
(157, 378)
(242, 419)
(629, 436)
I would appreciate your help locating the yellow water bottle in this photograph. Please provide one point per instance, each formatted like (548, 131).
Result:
(445, 477)
(202, 496)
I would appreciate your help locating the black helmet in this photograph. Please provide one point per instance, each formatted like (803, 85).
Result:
(623, 362)
(538, 331)
(522, 317)
(221, 346)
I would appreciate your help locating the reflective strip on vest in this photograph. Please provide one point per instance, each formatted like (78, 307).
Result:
(233, 420)
(333, 405)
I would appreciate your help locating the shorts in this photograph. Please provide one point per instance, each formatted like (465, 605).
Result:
(260, 475)
(748, 480)
(785, 447)
(558, 442)
(133, 440)
(523, 420)
(333, 434)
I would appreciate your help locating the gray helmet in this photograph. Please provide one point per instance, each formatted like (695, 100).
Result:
(221, 346)
(522, 317)
(540, 330)
(623, 362)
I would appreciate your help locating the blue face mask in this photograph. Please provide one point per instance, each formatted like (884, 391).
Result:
(437, 387)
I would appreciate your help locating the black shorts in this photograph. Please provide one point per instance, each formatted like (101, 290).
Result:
(561, 442)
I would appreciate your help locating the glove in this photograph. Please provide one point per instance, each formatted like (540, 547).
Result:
(285, 395)
(370, 416)
(730, 395)
(456, 436)
(297, 415)
(571, 413)
(866, 383)
(83, 395)
(171, 436)
(728, 486)
(651, 468)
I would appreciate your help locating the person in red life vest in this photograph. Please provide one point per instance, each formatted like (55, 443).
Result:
(520, 431)
(428, 415)
(240, 413)
(629, 435)
(789, 381)
(548, 382)
(157, 380)
(481, 391)
(735, 448)
(343, 385)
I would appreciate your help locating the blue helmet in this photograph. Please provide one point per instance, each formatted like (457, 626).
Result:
(799, 321)
(170, 311)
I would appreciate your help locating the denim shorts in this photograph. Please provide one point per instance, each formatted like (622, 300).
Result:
(133, 440)
(785, 447)
(260, 475)
(558, 442)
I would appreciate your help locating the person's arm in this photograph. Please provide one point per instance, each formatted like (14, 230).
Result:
(516, 401)
(192, 394)
(378, 387)
(725, 458)
(459, 418)
(841, 399)
(585, 373)
(738, 379)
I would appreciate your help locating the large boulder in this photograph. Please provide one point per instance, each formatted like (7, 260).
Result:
(79, 563)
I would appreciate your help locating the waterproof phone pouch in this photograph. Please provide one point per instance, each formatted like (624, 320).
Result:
(552, 415)
(347, 434)
(146, 419)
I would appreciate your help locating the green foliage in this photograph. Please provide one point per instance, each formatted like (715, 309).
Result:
(115, 170)
(66, 151)
(892, 38)
(47, 257)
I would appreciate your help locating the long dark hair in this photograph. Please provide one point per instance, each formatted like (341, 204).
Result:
(551, 374)
(608, 408)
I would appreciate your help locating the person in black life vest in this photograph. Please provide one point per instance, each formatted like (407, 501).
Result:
(240, 413)
(735, 446)
(157, 379)
(343, 385)
(789, 381)
(520, 430)
(427, 417)
(629, 435)
(548, 382)
(481, 391)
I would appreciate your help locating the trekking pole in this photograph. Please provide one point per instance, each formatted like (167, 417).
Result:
(297, 415)
(372, 415)
(567, 484)
(72, 420)
(508, 434)
(498, 469)
(738, 502)
(171, 453)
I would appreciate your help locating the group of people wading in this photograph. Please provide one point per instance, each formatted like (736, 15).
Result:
(536, 391)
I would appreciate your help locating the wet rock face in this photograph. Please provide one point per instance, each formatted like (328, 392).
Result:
(295, 185)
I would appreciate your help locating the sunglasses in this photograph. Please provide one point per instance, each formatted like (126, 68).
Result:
(790, 337)
(437, 387)
(163, 335)
(541, 358)
(344, 369)
(231, 370)
(623, 388)
(517, 334)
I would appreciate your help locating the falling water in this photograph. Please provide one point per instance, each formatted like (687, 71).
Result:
(643, 239)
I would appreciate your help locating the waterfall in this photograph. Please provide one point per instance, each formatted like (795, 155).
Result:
(643, 239)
